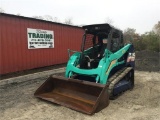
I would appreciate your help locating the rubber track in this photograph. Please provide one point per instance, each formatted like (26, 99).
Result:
(117, 77)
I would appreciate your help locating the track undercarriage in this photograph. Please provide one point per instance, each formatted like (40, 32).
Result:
(121, 81)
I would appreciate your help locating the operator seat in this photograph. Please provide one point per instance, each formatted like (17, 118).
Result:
(102, 48)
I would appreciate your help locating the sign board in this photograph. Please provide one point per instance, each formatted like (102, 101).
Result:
(38, 38)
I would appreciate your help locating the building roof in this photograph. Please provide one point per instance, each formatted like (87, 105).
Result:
(30, 18)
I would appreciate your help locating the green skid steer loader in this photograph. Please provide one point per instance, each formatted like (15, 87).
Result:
(103, 69)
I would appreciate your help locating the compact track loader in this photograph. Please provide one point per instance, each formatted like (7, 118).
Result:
(103, 69)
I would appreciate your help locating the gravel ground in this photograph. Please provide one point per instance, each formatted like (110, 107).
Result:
(142, 103)
(32, 71)
(147, 61)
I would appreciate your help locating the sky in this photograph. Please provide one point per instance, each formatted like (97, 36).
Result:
(141, 15)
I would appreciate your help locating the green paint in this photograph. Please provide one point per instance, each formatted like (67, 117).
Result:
(104, 68)
(34, 35)
(29, 35)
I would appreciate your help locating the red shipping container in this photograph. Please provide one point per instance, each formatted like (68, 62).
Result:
(14, 52)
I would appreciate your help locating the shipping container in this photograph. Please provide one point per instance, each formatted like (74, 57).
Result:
(17, 52)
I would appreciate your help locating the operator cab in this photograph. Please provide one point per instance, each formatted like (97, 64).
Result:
(96, 40)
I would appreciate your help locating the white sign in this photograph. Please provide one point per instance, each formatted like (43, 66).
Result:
(38, 38)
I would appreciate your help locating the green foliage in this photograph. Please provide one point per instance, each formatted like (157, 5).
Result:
(139, 45)
(129, 35)
(148, 41)
(151, 41)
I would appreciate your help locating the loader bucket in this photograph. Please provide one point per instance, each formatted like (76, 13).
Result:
(83, 96)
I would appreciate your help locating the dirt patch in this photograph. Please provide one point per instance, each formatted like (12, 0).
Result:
(142, 103)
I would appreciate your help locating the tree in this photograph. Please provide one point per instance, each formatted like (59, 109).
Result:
(68, 21)
(130, 31)
(55, 19)
(38, 17)
(151, 41)
(156, 28)
(129, 34)
(109, 21)
(48, 17)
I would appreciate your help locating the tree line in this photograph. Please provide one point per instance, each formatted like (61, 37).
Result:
(147, 41)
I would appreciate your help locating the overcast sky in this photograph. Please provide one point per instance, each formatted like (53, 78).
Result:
(139, 14)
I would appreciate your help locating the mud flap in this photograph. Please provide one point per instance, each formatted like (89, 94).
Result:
(83, 96)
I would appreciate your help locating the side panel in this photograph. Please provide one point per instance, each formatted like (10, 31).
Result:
(14, 52)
